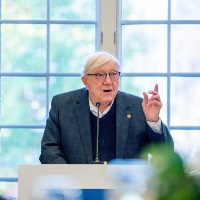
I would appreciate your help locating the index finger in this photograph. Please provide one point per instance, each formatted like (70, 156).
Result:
(156, 88)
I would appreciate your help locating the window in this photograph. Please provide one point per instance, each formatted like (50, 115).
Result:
(159, 43)
(43, 46)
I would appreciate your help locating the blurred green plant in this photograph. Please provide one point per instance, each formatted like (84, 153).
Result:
(169, 180)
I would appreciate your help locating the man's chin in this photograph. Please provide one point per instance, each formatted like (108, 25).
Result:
(107, 101)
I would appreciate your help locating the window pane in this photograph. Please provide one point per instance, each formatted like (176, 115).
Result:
(20, 9)
(144, 48)
(138, 85)
(184, 9)
(64, 84)
(25, 50)
(144, 9)
(185, 48)
(23, 100)
(9, 189)
(19, 146)
(187, 144)
(70, 44)
(73, 10)
(185, 105)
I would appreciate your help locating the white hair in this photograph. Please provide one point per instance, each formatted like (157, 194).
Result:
(97, 59)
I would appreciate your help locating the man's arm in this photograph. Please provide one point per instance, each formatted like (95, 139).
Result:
(51, 152)
(162, 137)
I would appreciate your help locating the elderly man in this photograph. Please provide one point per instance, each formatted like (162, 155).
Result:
(127, 123)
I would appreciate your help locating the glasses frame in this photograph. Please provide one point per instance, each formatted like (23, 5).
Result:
(103, 75)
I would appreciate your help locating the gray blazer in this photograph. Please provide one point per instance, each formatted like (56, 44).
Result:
(67, 135)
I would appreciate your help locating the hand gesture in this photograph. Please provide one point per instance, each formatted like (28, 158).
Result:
(152, 105)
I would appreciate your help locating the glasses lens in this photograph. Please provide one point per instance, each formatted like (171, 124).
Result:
(100, 76)
(114, 75)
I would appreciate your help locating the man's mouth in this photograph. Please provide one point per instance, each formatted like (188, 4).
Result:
(107, 90)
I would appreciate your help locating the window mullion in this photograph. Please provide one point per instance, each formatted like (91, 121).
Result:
(107, 26)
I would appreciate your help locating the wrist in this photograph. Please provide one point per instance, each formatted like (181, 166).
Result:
(153, 120)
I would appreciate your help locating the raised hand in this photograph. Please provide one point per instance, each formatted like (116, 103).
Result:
(152, 105)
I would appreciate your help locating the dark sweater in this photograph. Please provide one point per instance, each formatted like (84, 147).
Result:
(107, 135)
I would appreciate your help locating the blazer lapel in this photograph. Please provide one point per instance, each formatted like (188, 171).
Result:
(123, 119)
(82, 113)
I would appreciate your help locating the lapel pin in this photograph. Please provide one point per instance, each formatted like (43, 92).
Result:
(128, 116)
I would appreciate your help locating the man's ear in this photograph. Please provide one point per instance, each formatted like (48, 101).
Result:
(84, 80)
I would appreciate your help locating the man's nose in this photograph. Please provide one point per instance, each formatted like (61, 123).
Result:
(107, 79)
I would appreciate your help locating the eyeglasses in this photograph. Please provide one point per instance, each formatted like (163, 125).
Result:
(101, 76)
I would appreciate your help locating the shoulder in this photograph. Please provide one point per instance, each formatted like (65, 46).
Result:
(128, 98)
(71, 96)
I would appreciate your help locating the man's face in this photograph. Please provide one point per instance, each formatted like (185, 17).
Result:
(102, 90)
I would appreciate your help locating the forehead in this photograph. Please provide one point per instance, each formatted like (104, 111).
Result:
(108, 66)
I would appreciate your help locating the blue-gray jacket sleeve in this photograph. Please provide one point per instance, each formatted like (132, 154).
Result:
(157, 137)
